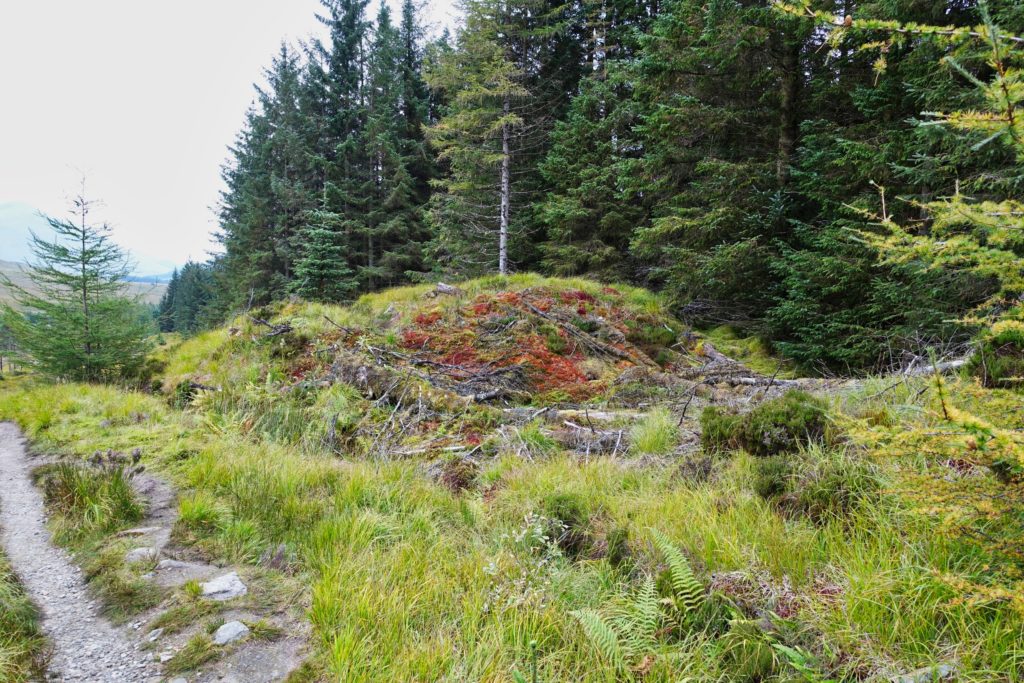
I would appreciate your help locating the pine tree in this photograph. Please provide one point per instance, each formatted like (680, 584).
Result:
(508, 74)
(165, 309)
(872, 157)
(322, 273)
(393, 225)
(75, 321)
(720, 83)
(270, 186)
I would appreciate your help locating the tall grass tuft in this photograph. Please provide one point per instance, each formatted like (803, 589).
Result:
(656, 434)
(90, 499)
(22, 646)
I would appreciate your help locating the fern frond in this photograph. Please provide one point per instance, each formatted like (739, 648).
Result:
(647, 609)
(688, 589)
(603, 636)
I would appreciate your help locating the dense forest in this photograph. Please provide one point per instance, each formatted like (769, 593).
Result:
(737, 156)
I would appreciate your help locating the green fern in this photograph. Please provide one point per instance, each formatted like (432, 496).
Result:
(604, 637)
(647, 610)
(688, 589)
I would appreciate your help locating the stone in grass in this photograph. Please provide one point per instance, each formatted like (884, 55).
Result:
(141, 555)
(224, 587)
(928, 674)
(230, 632)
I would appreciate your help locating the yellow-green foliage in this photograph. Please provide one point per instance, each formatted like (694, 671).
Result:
(656, 434)
(751, 351)
(410, 579)
(21, 640)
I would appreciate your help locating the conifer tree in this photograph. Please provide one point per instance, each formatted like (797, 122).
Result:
(474, 138)
(76, 321)
(322, 273)
(165, 309)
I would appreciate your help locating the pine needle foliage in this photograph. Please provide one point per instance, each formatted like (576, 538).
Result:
(75, 320)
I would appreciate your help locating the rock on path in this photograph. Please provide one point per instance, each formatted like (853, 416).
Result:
(86, 647)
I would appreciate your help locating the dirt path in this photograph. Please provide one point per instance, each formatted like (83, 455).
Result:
(86, 647)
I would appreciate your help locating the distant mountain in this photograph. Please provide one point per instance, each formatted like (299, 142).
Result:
(159, 278)
(148, 290)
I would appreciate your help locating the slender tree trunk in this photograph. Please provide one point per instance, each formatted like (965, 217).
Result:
(788, 123)
(85, 285)
(505, 193)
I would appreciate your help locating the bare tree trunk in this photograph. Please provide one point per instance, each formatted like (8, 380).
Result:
(85, 277)
(788, 123)
(505, 193)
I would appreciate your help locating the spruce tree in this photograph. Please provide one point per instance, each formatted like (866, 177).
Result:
(165, 309)
(322, 273)
(475, 138)
(75, 320)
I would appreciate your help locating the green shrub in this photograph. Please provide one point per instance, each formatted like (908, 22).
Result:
(122, 591)
(771, 476)
(781, 425)
(784, 424)
(747, 652)
(656, 434)
(555, 342)
(820, 484)
(619, 554)
(833, 485)
(570, 522)
(198, 512)
(90, 498)
(720, 429)
(999, 360)
(22, 645)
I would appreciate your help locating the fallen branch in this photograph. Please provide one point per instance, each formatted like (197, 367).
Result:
(589, 341)
(275, 330)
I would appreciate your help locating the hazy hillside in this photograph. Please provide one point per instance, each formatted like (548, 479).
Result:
(149, 292)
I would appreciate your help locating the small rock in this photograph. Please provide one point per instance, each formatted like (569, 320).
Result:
(154, 634)
(166, 657)
(178, 680)
(140, 555)
(164, 565)
(928, 674)
(230, 632)
(224, 587)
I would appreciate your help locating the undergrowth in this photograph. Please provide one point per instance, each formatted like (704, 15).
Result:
(23, 649)
(823, 558)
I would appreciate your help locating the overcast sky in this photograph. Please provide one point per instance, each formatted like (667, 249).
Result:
(143, 99)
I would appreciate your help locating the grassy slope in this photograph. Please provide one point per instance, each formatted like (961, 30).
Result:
(412, 580)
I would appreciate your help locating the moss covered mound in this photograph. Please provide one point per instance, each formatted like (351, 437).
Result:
(999, 360)
(521, 339)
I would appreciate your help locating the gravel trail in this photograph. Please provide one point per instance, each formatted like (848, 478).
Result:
(86, 647)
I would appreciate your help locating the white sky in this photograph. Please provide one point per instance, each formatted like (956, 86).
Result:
(143, 99)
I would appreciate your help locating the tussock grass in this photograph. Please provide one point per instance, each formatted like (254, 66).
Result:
(22, 645)
(656, 434)
(404, 579)
(197, 651)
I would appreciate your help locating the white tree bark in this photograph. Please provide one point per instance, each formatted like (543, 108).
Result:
(506, 192)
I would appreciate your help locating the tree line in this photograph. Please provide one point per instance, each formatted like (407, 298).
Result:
(769, 166)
